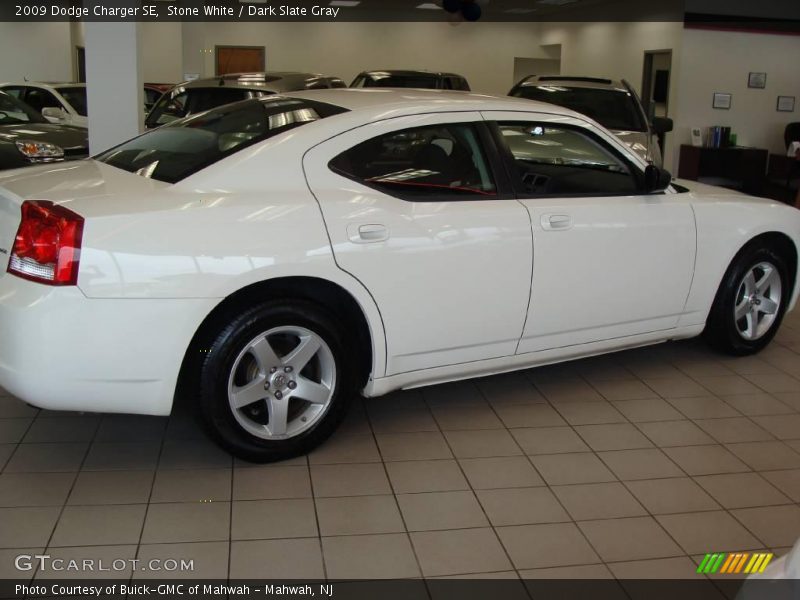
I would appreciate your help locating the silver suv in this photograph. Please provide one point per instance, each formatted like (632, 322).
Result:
(613, 104)
(204, 94)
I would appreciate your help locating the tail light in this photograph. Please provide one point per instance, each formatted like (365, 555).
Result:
(48, 244)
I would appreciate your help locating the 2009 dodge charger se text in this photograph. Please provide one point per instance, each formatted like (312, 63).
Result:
(274, 257)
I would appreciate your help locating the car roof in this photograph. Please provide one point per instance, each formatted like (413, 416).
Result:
(410, 73)
(273, 81)
(399, 101)
(44, 84)
(597, 83)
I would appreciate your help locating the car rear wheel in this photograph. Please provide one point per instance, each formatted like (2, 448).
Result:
(750, 303)
(276, 382)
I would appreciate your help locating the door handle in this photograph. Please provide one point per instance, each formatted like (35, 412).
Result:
(368, 233)
(556, 222)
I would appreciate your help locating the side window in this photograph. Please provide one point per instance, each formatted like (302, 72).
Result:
(425, 163)
(553, 160)
(169, 109)
(39, 99)
(17, 92)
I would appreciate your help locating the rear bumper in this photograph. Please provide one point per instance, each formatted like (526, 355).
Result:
(62, 351)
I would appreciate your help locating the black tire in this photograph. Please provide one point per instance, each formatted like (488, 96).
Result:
(722, 331)
(215, 371)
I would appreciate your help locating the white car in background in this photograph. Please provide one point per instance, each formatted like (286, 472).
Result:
(63, 103)
(273, 257)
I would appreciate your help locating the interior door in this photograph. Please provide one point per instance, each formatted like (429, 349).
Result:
(239, 59)
(414, 210)
(609, 261)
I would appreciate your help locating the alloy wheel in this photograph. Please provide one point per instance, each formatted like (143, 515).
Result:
(758, 301)
(282, 383)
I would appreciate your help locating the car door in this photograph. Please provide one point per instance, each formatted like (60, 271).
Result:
(419, 210)
(609, 260)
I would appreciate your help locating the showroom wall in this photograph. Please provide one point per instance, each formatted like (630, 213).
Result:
(38, 51)
(719, 61)
(483, 52)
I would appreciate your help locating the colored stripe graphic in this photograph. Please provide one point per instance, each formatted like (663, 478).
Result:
(734, 563)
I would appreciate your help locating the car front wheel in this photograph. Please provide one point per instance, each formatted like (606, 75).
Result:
(750, 303)
(276, 382)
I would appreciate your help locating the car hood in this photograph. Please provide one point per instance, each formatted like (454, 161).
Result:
(638, 141)
(66, 137)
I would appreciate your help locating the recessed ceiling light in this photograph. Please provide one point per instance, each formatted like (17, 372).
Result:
(429, 6)
(344, 2)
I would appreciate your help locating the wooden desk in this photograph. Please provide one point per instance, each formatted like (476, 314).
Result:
(746, 167)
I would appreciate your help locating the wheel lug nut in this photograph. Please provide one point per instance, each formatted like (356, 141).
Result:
(273, 369)
(278, 395)
(287, 369)
(292, 385)
(266, 385)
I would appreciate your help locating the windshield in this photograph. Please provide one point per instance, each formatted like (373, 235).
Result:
(183, 147)
(76, 97)
(396, 81)
(13, 111)
(612, 108)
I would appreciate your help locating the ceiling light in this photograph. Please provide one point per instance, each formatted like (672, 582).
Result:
(429, 6)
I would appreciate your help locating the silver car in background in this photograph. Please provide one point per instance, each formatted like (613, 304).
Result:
(613, 104)
(196, 96)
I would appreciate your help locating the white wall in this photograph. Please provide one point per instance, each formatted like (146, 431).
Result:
(38, 51)
(161, 52)
(719, 61)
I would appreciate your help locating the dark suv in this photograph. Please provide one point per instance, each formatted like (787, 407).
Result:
(411, 79)
(613, 104)
(204, 94)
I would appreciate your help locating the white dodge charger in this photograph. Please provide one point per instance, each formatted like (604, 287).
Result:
(274, 257)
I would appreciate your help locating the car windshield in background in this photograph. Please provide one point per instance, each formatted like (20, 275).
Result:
(613, 109)
(396, 81)
(175, 151)
(76, 96)
(13, 111)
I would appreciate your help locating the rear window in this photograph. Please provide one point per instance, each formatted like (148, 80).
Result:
(396, 81)
(613, 109)
(183, 147)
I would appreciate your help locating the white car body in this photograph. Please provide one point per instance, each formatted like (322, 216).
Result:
(70, 116)
(780, 580)
(450, 290)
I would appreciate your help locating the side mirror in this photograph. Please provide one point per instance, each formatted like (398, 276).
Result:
(662, 125)
(656, 179)
(51, 112)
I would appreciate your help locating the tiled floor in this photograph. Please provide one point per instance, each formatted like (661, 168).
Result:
(629, 465)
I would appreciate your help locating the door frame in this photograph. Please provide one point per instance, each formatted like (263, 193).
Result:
(647, 77)
(262, 49)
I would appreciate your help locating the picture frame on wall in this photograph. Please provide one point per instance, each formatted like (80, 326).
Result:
(757, 80)
(785, 104)
(722, 101)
